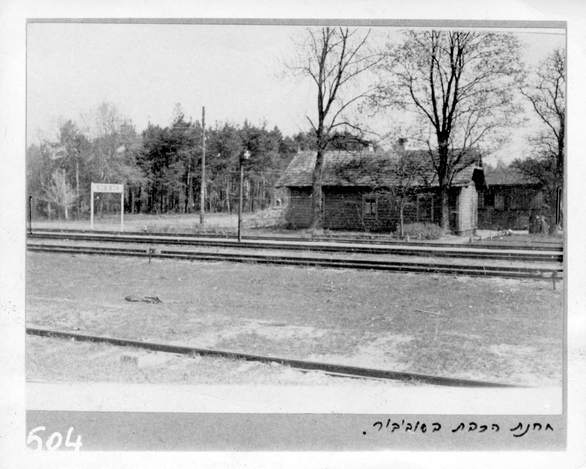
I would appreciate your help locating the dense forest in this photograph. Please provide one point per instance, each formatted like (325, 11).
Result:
(160, 167)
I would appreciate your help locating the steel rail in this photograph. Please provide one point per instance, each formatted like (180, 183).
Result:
(329, 368)
(374, 264)
(376, 241)
(428, 251)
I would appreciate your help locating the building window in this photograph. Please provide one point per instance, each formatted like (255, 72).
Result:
(370, 205)
(489, 198)
(536, 201)
(520, 199)
(424, 207)
(499, 202)
(481, 199)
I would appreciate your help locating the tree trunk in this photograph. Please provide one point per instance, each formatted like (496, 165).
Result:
(77, 186)
(401, 218)
(228, 193)
(444, 179)
(445, 213)
(553, 209)
(316, 202)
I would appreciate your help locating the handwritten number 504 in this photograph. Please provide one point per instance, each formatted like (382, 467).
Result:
(54, 441)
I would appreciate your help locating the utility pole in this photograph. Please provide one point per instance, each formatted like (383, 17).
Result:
(203, 167)
(243, 157)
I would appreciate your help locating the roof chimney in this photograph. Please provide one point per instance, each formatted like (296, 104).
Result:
(479, 158)
(400, 144)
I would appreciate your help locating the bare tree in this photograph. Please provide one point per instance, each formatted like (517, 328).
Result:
(71, 149)
(397, 177)
(460, 88)
(411, 176)
(546, 91)
(60, 192)
(334, 59)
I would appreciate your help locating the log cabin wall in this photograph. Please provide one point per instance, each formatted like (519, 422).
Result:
(361, 209)
(502, 207)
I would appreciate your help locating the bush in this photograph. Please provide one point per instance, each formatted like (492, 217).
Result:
(422, 231)
(274, 217)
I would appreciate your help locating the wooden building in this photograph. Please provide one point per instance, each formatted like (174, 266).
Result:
(363, 191)
(508, 200)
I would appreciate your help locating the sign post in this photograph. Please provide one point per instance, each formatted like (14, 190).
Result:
(109, 188)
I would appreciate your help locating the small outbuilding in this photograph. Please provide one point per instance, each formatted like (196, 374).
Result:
(509, 200)
(364, 191)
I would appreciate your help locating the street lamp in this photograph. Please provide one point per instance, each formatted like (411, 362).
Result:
(30, 214)
(243, 157)
(203, 168)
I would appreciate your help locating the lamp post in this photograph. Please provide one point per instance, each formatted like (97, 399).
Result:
(30, 214)
(243, 157)
(203, 168)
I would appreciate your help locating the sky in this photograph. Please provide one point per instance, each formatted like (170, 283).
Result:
(236, 71)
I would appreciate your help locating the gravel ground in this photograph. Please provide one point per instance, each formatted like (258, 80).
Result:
(53, 360)
(488, 329)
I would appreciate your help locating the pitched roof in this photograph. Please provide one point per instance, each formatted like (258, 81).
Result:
(508, 177)
(369, 169)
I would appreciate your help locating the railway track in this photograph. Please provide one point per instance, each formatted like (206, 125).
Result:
(197, 249)
(328, 368)
(479, 269)
(410, 249)
(360, 240)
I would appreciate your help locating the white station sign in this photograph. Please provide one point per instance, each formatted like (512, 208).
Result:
(113, 188)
